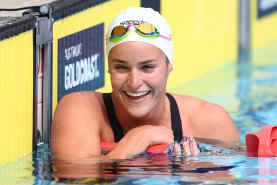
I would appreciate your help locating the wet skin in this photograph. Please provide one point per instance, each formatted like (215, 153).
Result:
(139, 73)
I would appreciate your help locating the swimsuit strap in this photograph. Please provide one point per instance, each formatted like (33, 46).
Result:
(117, 129)
(176, 122)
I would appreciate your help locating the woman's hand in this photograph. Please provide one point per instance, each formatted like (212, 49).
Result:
(189, 147)
(138, 139)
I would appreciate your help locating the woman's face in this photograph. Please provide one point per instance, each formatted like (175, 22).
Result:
(139, 74)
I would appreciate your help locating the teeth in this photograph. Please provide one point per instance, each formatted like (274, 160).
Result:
(137, 94)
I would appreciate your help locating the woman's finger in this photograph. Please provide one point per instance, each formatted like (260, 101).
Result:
(193, 147)
(186, 147)
(177, 148)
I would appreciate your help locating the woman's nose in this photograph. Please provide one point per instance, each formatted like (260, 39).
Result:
(134, 79)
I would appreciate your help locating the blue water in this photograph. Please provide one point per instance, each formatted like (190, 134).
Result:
(250, 98)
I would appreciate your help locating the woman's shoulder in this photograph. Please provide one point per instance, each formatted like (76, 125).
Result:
(80, 119)
(80, 104)
(189, 102)
(199, 116)
(192, 105)
(89, 96)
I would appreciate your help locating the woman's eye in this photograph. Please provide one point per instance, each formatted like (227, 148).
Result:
(121, 68)
(148, 68)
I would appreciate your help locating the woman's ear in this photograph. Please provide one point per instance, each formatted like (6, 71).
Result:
(170, 67)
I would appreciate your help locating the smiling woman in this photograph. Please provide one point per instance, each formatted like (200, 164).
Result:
(139, 112)
(138, 76)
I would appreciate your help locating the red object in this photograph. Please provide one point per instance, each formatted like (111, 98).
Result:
(108, 146)
(262, 143)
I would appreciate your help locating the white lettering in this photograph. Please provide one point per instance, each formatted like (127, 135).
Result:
(73, 51)
(71, 73)
(81, 72)
(91, 68)
(66, 76)
(94, 60)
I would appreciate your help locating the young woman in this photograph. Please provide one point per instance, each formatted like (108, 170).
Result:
(138, 112)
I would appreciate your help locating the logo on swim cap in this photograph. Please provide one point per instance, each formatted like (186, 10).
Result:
(134, 22)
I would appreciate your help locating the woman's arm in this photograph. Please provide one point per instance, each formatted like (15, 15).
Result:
(78, 123)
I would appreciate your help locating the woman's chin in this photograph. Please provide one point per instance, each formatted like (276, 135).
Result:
(137, 112)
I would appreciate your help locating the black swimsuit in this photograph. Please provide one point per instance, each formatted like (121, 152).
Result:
(117, 129)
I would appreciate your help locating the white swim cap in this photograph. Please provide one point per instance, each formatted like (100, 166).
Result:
(136, 16)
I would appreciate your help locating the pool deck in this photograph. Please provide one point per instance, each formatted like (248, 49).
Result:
(9, 16)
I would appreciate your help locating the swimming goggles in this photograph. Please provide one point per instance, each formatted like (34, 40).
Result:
(145, 30)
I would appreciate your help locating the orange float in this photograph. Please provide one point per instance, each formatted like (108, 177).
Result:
(262, 143)
(160, 148)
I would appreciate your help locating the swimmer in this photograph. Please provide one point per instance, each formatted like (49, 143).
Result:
(138, 112)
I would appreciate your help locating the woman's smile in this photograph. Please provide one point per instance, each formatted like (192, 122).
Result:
(137, 97)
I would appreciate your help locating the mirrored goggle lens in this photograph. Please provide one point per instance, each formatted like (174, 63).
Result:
(119, 31)
(147, 29)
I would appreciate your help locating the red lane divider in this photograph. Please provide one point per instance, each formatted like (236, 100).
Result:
(108, 146)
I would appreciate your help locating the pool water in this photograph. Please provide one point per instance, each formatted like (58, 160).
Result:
(251, 99)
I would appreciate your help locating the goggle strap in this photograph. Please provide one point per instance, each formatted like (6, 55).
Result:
(166, 38)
